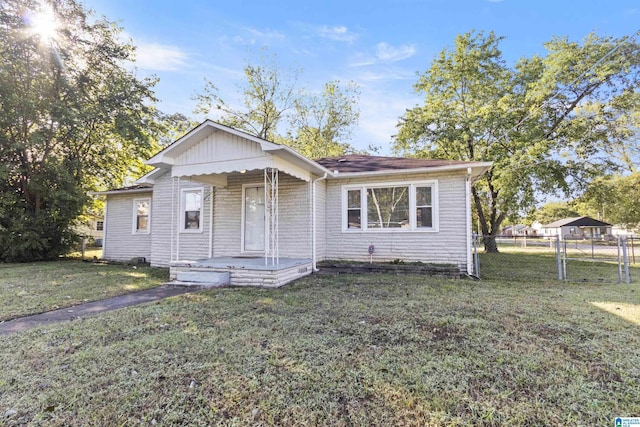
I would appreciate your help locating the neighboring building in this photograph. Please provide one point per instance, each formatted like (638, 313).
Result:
(222, 200)
(518, 230)
(624, 231)
(91, 228)
(582, 227)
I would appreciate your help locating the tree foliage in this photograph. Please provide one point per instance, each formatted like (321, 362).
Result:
(546, 123)
(614, 199)
(323, 122)
(72, 118)
(275, 109)
(553, 211)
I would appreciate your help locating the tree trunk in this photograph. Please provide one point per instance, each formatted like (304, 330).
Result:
(490, 244)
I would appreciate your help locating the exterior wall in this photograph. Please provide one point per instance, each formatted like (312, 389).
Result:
(447, 245)
(321, 218)
(122, 244)
(168, 242)
(294, 216)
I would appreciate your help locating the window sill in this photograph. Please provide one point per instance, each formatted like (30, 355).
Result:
(390, 231)
(199, 231)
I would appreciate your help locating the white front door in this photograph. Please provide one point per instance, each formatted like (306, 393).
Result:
(253, 226)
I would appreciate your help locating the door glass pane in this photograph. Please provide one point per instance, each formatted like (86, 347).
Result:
(254, 220)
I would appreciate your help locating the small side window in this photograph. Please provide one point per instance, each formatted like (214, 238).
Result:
(191, 210)
(141, 214)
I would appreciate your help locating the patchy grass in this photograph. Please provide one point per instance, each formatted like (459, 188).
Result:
(342, 351)
(89, 253)
(43, 286)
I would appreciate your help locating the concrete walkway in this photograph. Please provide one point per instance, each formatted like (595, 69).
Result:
(96, 307)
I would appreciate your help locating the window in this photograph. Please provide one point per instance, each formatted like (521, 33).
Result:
(141, 210)
(191, 218)
(424, 208)
(354, 210)
(99, 225)
(390, 206)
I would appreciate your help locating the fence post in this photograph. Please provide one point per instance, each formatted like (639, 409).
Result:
(558, 257)
(564, 256)
(619, 261)
(476, 259)
(626, 261)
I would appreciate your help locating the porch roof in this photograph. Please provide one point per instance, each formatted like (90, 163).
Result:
(214, 149)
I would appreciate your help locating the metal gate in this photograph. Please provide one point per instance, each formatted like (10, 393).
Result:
(555, 258)
(596, 260)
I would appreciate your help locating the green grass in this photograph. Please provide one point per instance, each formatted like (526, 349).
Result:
(339, 351)
(542, 265)
(43, 286)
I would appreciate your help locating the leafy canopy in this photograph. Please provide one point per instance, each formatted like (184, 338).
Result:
(72, 118)
(273, 108)
(550, 124)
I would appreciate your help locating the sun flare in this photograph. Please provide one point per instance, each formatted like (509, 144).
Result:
(43, 22)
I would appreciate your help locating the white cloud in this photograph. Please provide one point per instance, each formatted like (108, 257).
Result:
(338, 33)
(265, 35)
(387, 53)
(160, 57)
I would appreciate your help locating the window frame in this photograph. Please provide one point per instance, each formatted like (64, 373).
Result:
(181, 216)
(100, 225)
(135, 229)
(364, 208)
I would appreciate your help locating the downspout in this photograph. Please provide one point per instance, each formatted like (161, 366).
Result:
(313, 221)
(468, 221)
(104, 227)
(211, 195)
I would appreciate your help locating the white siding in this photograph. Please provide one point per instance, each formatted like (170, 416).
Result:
(123, 244)
(294, 215)
(219, 147)
(168, 243)
(447, 245)
(321, 229)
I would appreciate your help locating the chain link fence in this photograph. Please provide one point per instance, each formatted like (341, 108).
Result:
(552, 258)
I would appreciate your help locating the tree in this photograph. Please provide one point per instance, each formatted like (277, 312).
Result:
(553, 211)
(614, 199)
(323, 122)
(269, 95)
(275, 110)
(542, 122)
(72, 119)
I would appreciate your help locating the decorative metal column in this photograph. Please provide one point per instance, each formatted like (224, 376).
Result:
(272, 231)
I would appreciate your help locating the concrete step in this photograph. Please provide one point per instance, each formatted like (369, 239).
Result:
(211, 278)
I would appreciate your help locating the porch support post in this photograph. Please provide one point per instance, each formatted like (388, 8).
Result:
(272, 232)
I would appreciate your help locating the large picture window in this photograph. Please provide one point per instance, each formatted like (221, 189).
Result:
(141, 215)
(381, 207)
(191, 217)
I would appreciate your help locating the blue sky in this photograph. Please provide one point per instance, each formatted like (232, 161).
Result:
(380, 45)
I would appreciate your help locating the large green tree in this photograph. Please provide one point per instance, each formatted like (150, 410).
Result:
(614, 199)
(72, 118)
(276, 109)
(544, 122)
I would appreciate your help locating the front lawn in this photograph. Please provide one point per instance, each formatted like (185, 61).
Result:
(340, 351)
(43, 286)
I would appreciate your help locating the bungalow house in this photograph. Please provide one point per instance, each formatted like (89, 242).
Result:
(582, 227)
(222, 205)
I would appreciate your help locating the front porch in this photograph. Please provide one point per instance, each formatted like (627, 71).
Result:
(243, 271)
